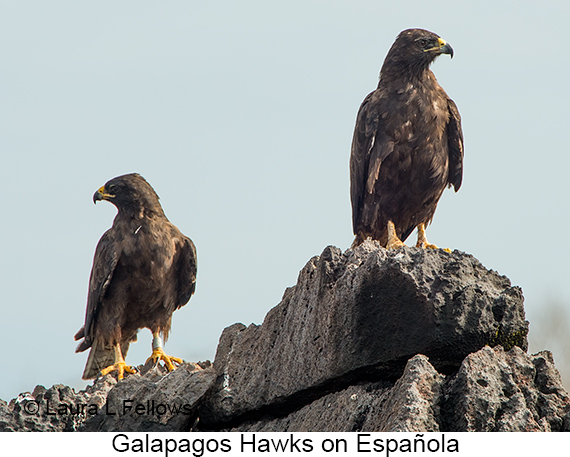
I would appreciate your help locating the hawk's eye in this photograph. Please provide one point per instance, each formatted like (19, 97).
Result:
(112, 189)
(423, 42)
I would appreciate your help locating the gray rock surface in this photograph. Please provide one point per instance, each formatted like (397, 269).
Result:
(56, 409)
(411, 403)
(494, 390)
(363, 314)
(152, 400)
(506, 392)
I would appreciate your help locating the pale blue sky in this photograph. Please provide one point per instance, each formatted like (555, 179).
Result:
(240, 114)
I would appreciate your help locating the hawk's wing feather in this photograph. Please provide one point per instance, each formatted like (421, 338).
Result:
(104, 264)
(185, 271)
(455, 144)
(369, 149)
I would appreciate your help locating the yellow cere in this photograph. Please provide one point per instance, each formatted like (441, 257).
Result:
(441, 42)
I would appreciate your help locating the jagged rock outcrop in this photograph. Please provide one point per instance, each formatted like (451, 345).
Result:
(155, 401)
(494, 390)
(367, 340)
(362, 315)
(151, 400)
(56, 409)
(506, 392)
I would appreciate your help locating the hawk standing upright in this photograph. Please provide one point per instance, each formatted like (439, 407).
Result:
(143, 270)
(407, 145)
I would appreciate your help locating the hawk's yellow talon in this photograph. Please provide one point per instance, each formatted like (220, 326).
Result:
(169, 361)
(396, 244)
(121, 368)
(423, 242)
(426, 245)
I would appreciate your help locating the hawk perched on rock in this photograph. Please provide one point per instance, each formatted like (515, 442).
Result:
(407, 145)
(143, 270)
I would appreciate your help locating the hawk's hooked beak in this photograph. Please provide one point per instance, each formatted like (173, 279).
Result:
(443, 47)
(101, 195)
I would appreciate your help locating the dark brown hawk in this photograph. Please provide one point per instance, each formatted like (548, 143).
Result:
(144, 269)
(407, 145)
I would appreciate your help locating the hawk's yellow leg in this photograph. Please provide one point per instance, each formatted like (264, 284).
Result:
(393, 241)
(158, 354)
(119, 366)
(422, 239)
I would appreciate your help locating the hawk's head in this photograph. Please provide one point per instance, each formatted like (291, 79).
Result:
(415, 50)
(130, 193)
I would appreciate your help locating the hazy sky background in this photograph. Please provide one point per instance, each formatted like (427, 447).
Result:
(240, 114)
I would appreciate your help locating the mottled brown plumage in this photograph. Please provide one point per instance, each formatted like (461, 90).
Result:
(407, 145)
(143, 270)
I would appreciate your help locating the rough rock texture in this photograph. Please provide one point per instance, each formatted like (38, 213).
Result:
(368, 340)
(363, 314)
(494, 390)
(506, 392)
(156, 401)
(408, 404)
(56, 409)
(151, 400)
